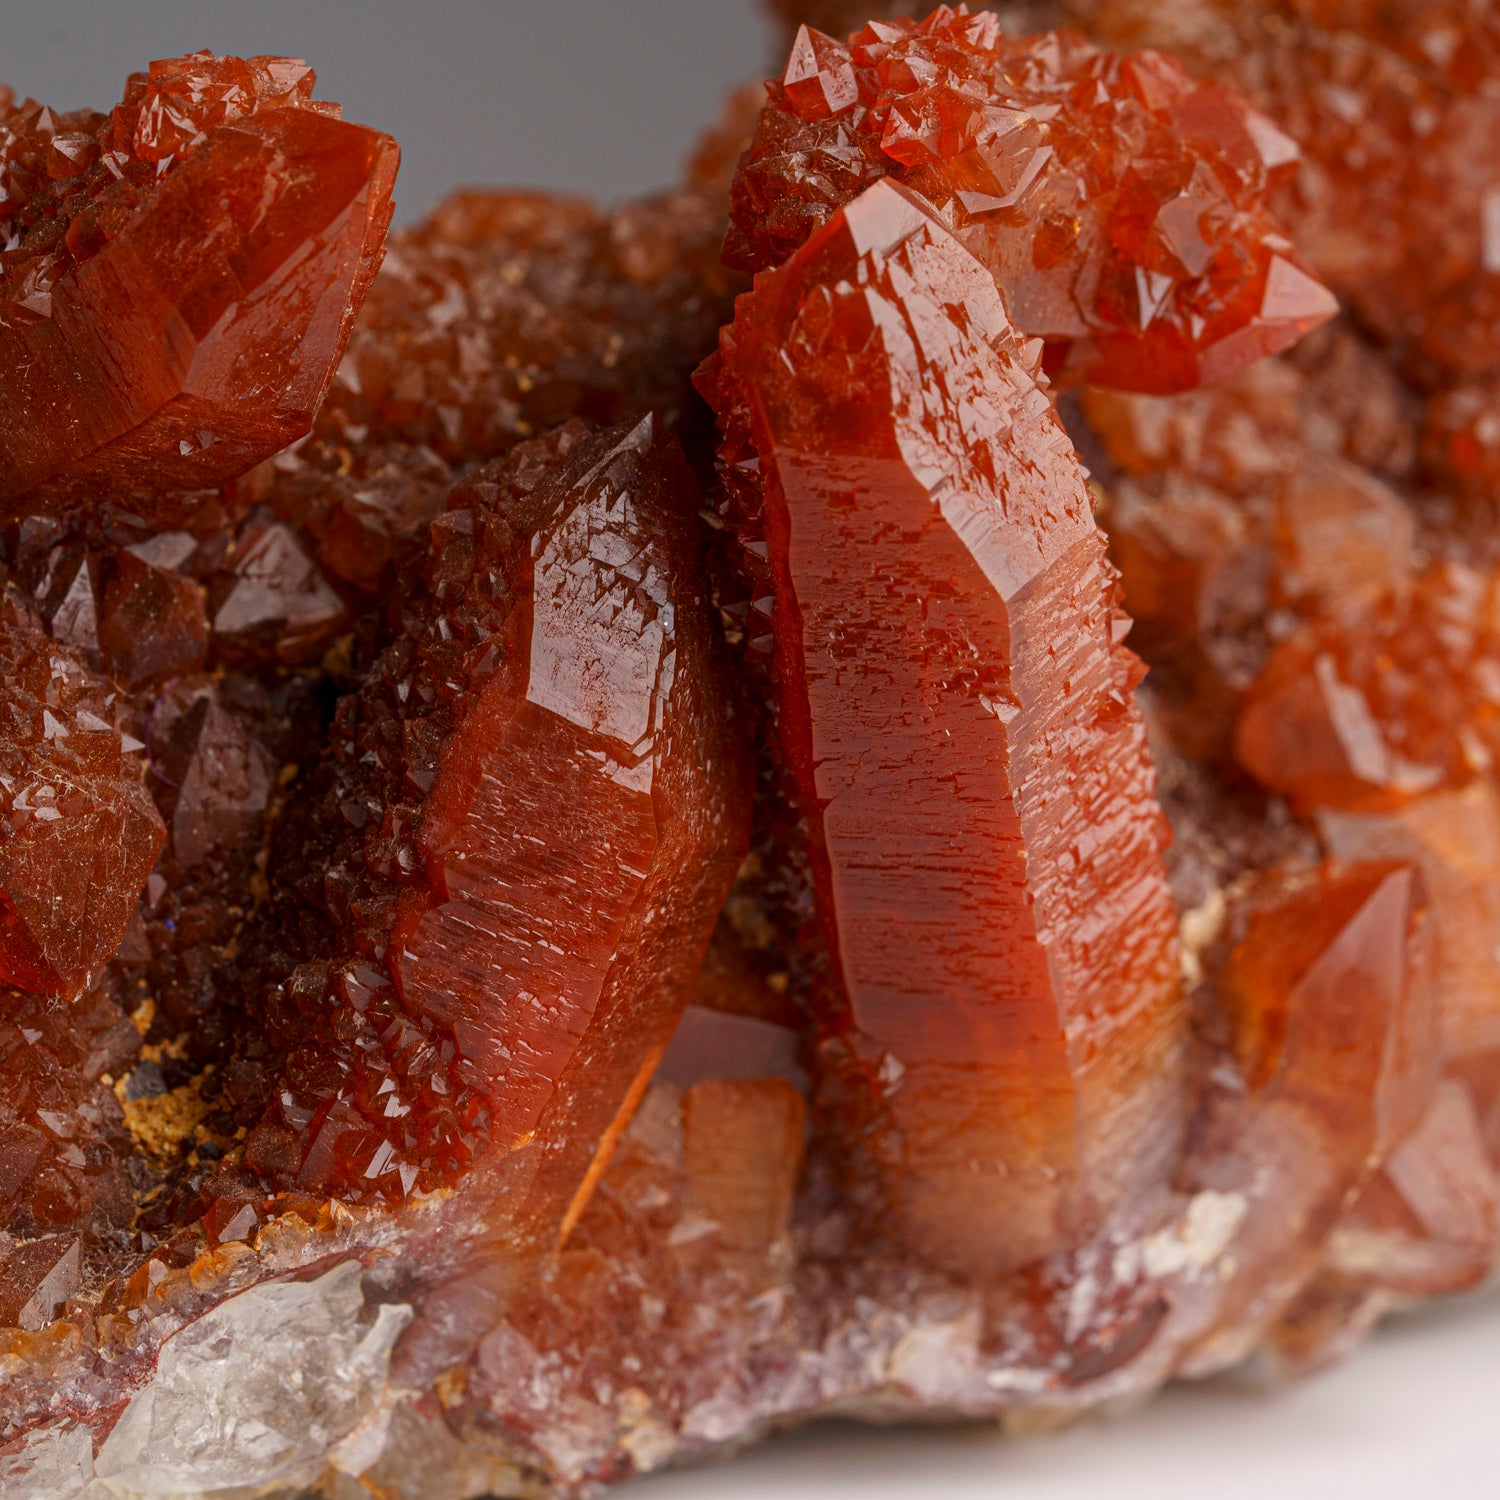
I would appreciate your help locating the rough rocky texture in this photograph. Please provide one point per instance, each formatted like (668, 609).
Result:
(506, 313)
(357, 1152)
(499, 316)
(79, 835)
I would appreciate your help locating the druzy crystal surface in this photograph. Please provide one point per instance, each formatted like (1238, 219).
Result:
(1119, 202)
(179, 275)
(586, 871)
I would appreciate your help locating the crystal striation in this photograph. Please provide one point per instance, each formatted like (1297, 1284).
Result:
(928, 531)
(507, 867)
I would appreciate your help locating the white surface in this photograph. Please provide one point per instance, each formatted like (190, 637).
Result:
(1414, 1416)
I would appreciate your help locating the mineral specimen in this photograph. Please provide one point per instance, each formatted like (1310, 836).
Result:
(929, 532)
(509, 862)
(179, 275)
(1119, 203)
(410, 1085)
(507, 313)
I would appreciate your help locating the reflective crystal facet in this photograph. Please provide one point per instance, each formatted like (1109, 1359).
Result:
(506, 869)
(528, 954)
(929, 531)
(173, 300)
(1119, 203)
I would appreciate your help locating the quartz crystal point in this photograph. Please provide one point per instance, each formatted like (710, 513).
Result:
(180, 276)
(840, 18)
(497, 317)
(1329, 1008)
(1396, 111)
(515, 850)
(391, 1099)
(1280, 1149)
(1120, 204)
(1339, 667)
(1315, 610)
(931, 543)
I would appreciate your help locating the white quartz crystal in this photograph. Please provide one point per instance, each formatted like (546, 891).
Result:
(255, 1393)
(56, 1463)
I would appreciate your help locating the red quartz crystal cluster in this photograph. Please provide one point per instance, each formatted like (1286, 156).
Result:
(506, 868)
(178, 275)
(585, 868)
(1119, 202)
(930, 532)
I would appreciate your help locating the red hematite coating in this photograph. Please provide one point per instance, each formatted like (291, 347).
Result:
(543, 802)
(1385, 703)
(181, 276)
(1395, 106)
(957, 710)
(1118, 202)
(78, 831)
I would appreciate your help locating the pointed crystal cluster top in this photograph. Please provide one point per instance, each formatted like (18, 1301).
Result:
(1121, 203)
(223, 227)
(71, 182)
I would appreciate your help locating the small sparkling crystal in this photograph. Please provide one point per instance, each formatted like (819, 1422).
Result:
(560, 913)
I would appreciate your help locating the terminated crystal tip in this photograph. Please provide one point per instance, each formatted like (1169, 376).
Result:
(931, 544)
(182, 276)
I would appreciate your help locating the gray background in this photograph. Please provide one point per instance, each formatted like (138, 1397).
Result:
(595, 96)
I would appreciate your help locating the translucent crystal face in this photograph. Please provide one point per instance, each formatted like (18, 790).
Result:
(256, 1391)
(1119, 203)
(247, 221)
(1395, 114)
(408, 1079)
(928, 528)
(535, 798)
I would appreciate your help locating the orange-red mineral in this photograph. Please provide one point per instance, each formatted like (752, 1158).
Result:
(178, 276)
(78, 832)
(1120, 203)
(506, 871)
(1328, 1003)
(405, 1071)
(503, 314)
(956, 708)
(64, 1150)
(1397, 201)
(1385, 702)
